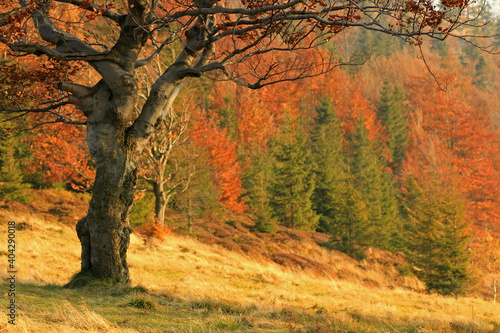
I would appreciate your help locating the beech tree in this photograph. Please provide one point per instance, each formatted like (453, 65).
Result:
(161, 168)
(213, 36)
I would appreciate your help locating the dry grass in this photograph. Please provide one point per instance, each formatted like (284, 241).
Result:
(195, 287)
(63, 317)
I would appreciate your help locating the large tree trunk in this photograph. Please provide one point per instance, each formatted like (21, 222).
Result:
(116, 146)
(105, 232)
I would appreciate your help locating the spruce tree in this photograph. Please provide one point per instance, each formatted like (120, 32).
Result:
(377, 190)
(350, 224)
(12, 184)
(12, 152)
(330, 169)
(392, 113)
(438, 237)
(293, 180)
(256, 182)
(342, 211)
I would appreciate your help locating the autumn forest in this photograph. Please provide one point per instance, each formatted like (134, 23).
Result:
(394, 147)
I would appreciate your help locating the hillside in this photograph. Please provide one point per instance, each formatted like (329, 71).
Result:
(184, 285)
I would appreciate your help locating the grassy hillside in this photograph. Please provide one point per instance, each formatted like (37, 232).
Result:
(184, 285)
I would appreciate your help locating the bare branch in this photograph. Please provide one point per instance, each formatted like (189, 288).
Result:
(66, 42)
(440, 85)
(39, 110)
(225, 10)
(115, 16)
(78, 90)
(39, 49)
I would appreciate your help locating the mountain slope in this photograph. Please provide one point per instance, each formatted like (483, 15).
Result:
(183, 285)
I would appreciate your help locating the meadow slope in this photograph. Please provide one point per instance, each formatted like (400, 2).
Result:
(183, 285)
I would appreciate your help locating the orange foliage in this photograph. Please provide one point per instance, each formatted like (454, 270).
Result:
(256, 120)
(426, 156)
(259, 113)
(221, 152)
(60, 152)
(153, 229)
(465, 133)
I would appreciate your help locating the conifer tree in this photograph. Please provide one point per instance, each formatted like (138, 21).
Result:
(377, 191)
(293, 180)
(12, 185)
(392, 113)
(438, 236)
(343, 213)
(12, 151)
(330, 169)
(257, 183)
(349, 227)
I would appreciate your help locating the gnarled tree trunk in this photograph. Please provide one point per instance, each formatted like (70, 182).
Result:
(105, 232)
(116, 146)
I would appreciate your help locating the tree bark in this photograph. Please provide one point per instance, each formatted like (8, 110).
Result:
(105, 232)
(160, 201)
(106, 229)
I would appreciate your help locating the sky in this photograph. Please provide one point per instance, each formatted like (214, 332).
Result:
(495, 7)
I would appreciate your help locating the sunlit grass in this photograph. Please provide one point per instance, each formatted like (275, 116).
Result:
(181, 285)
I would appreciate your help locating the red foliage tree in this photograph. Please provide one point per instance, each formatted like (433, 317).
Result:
(222, 157)
(61, 155)
(465, 132)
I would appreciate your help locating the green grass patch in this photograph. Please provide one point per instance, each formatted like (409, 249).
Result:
(141, 303)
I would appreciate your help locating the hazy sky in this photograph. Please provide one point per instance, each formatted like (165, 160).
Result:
(495, 5)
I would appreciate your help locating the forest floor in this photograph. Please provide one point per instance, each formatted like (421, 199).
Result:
(228, 279)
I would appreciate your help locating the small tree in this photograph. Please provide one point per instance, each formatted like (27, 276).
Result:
(164, 164)
(391, 111)
(330, 167)
(293, 179)
(12, 185)
(488, 256)
(12, 149)
(350, 231)
(438, 235)
(258, 185)
(376, 189)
